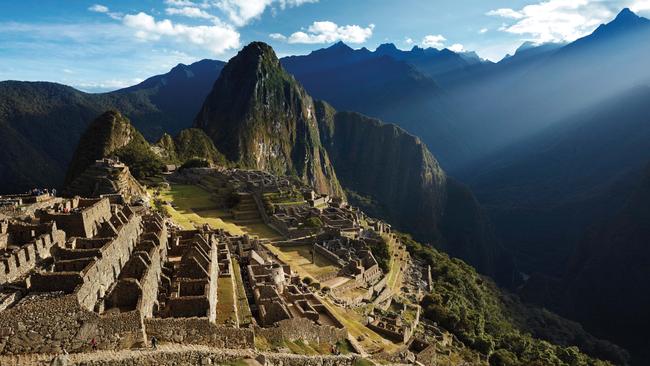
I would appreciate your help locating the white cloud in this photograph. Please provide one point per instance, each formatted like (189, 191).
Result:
(435, 41)
(563, 20)
(190, 12)
(457, 47)
(241, 12)
(505, 13)
(107, 85)
(409, 41)
(291, 3)
(104, 10)
(328, 32)
(483, 30)
(217, 38)
(180, 3)
(97, 8)
(277, 36)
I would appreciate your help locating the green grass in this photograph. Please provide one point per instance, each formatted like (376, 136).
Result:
(243, 309)
(234, 363)
(363, 362)
(225, 301)
(195, 206)
(299, 257)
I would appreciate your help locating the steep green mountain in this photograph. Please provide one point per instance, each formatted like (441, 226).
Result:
(189, 143)
(111, 135)
(260, 117)
(392, 175)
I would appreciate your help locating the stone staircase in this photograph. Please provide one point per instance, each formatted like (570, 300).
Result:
(246, 211)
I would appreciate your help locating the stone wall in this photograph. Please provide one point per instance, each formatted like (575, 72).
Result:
(24, 259)
(195, 355)
(83, 223)
(198, 331)
(48, 325)
(105, 270)
(303, 329)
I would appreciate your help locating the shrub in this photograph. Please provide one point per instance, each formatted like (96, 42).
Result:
(314, 222)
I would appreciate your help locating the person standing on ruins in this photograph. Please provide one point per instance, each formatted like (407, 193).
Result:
(154, 342)
(93, 344)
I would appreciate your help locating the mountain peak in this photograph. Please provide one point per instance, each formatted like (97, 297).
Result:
(626, 15)
(256, 51)
(624, 22)
(386, 47)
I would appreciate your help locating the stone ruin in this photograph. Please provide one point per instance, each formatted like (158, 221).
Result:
(279, 294)
(85, 269)
(354, 257)
(106, 177)
(397, 325)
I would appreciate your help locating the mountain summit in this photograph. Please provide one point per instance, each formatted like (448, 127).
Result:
(261, 118)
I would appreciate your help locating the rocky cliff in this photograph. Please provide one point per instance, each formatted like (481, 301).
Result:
(391, 174)
(261, 118)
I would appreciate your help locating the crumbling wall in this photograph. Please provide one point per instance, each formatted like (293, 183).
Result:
(198, 331)
(49, 325)
(25, 259)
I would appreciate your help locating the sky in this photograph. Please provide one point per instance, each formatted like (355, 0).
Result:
(103, 45)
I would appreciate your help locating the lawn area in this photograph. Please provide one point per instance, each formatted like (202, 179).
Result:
(194, 206)
(299, 259)
(243, 309)
(395, 273)
(225, 301)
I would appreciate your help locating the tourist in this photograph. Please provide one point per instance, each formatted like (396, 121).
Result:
(154, 342)
(93, 344)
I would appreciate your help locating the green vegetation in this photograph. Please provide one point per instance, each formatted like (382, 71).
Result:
(225, 301)
(187, 201)
(141, 160)
(314, 222)
(363, 362)
(381, 251)
(195, 163)
(243, 309)
(477, 312)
